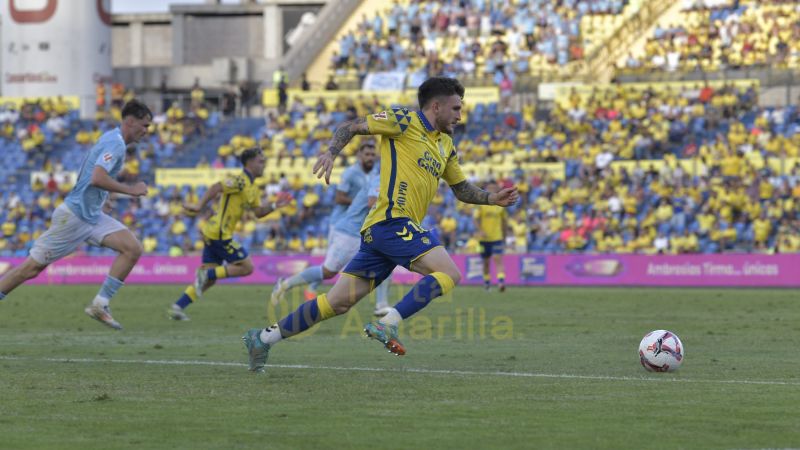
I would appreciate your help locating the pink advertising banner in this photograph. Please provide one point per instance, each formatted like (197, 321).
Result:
(531, 270)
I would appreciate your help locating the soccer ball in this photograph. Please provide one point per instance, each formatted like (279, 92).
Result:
(661, 351)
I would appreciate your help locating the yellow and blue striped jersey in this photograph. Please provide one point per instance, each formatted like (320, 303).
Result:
(490, 220)
(239, 193)
(414, 156)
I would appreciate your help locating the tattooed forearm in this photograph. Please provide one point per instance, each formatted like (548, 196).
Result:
(469, 193)
(345, 132)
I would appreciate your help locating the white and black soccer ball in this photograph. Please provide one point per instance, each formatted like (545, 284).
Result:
(661, 351)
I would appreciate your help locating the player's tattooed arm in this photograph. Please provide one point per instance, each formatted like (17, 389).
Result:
(469, 193)
(345, 132)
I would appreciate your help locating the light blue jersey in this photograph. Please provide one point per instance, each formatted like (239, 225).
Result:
(353, 181)
(353, 217)
(86, 201)
(374, 181)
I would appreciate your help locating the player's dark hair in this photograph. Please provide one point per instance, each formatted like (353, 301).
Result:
(249, 154)
(365, 145)
(136, 109)
(438, 87)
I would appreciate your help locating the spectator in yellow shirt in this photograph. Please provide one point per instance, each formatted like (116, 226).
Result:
(762, 227)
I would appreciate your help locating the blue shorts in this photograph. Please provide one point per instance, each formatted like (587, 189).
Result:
(215, 251)
(489, 248)
(394, 242)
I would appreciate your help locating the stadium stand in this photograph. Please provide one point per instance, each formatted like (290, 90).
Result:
(714, 35)
(481, 40)
(628, 168)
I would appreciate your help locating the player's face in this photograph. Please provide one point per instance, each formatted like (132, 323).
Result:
(136, 128)
(257, 165)
(447, 113)
(367, 158)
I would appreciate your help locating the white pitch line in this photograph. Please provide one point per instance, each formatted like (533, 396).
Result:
(175, 362)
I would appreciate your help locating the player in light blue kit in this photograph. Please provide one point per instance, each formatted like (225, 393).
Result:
(341, 245)
(81, 219)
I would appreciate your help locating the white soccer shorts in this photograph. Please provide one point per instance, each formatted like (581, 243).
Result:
(67, 232)
(341, 249)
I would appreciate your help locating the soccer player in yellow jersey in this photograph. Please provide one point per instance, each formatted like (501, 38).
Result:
(416, 151)
(238, 194)
(492, 221)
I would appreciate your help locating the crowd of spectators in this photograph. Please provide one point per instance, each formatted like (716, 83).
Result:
(626, 168)
(477, 38)
(724, 34)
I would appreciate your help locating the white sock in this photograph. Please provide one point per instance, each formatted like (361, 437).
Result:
(100, 301)
(391, 318)
(271, 335)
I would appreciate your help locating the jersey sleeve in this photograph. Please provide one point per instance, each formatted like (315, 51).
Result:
(233, 184)
(452, 171)
(111, 157)
(391, 123)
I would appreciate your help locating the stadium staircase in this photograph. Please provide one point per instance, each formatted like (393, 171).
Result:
(312, 52)
(671, 15)
(600, 65)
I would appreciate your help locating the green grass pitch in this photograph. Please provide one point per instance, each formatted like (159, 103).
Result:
(530, 368)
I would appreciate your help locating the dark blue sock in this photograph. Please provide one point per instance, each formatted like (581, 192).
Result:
(419, 296)
(303, 318)
(212, 273)
(184, 301)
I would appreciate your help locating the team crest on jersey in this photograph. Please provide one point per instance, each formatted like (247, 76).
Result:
(380, 116)
(441, 149)
(426, 241)
(107, 157)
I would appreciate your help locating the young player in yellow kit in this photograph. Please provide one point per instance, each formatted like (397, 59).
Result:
(238, 194)
(416, 151)
(492, 222)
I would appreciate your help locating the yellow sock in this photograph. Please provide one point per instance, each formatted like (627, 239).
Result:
(325, 309)
(221, 272)
(191, 293)
(445, 282)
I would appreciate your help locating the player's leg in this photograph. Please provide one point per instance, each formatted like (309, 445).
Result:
(217, 251)
(486, 253)
(20, 274)
(309, 275)
(501, 270)
(365, 269)
(347, 291)
(382, 297)
(341, 250)
(487, 273)
(112, 234)
(441, 275)
(311, 290)
(65, 234)
(190, 294)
